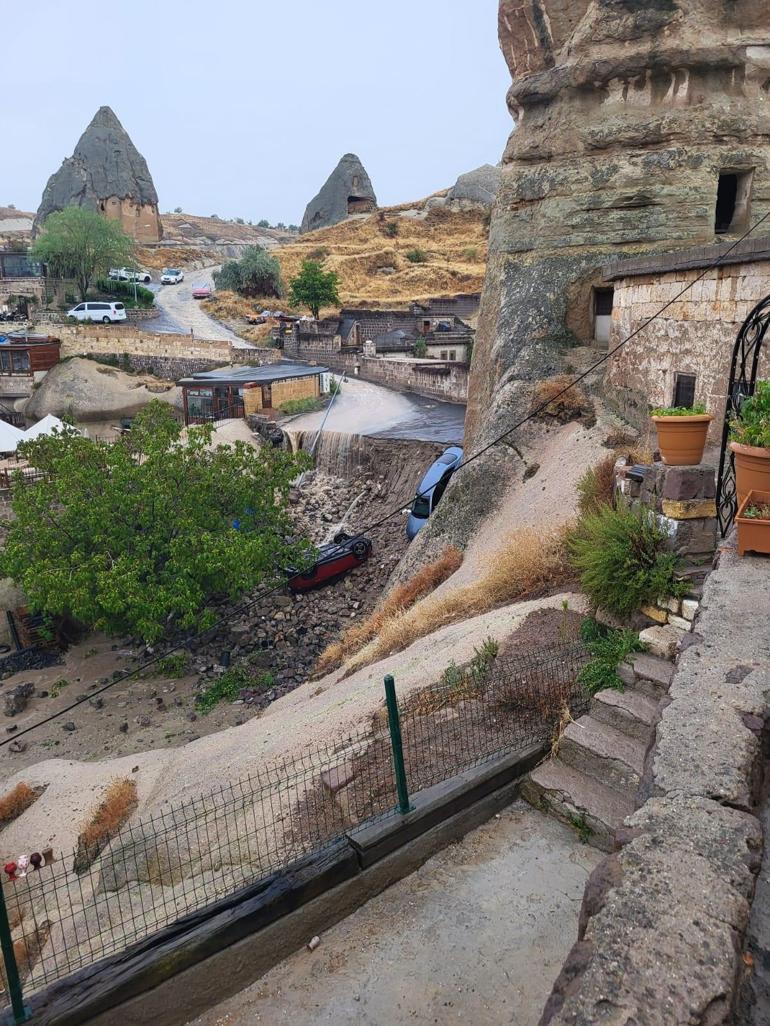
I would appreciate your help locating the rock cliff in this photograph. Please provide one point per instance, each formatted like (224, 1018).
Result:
(108, 174)
(626, 113)
(348, 190)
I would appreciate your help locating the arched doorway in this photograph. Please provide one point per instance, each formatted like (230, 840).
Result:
(743, 377)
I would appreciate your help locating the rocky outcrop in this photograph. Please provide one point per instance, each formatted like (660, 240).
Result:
(348, 190)
(108, 174)
(477, 188)
(626, 113)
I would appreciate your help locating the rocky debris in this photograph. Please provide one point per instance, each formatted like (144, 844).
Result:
(69, 726)
(348, 190)
(18, 746)
(17, 699)
(106, 173)
(29, 659)
(92, 391)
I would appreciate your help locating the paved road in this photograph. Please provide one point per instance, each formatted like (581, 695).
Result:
(366, 409)
(477, 935)
(179, 312)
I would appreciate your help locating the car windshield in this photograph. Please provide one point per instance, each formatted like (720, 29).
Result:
(421, 506)
(172, 272)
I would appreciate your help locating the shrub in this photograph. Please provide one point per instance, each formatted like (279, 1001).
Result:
(596, 486)
(257, 273)
(608, 648)
(106, 820)
(420, 348)
(752, 425)
(228, 686)
(471, 254)
(416, 256)
(621, 560)
(553, 398)
(390, 228)
(400, 598)
(321, 253)
(174, 665)
(17, 800)
(125, 289)
(309, 405)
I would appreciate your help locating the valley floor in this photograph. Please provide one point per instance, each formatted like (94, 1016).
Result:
(477, 935)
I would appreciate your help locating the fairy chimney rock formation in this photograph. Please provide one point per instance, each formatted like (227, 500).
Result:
(106, 173)
(348, 190)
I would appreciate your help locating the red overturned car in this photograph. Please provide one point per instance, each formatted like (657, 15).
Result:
(334, 561)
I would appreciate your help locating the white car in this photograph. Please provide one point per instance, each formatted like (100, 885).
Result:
(125, 274)
(171, 276)
(108, 313)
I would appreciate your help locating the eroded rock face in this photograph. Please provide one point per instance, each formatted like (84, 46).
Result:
(348, 190)
(626, 112)
(477, 188)
(106, 173)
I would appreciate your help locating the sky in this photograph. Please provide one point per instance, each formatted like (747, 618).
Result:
(242, 108)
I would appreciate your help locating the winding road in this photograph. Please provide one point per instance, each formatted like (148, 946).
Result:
(179, 312)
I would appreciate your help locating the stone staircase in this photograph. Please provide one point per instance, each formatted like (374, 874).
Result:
(593, 781)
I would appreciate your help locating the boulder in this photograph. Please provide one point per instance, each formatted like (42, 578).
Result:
(91, 391)
(476, 188)
(348, 190)
(106, 173)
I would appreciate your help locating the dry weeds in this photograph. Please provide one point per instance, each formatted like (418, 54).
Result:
(571, 405)
(529, 560)
(108, 817)
(397, 602)
(17, 800)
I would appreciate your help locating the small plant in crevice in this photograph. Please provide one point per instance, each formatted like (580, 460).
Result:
(58, 686)
(174, 665)
(580, 825)
(483, 659)
(453, 676)
(228, 686)
(608, 648)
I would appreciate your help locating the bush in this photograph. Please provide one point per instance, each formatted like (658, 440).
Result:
(420, 348)
(416, 256)
(609, 648)
(321, 253)
(752, 426)
(471, 254)
(257, 273)
(596, 486)
(16, 801)
(125, 289)
(390, 228)
(228, 687)
(621, 560)
(294, 406)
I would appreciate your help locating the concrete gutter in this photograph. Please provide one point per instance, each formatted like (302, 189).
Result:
(209, 955)
(664, 918)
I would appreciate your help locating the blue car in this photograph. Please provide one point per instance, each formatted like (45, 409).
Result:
(432, 487)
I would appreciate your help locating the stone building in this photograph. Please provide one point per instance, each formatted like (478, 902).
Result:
(106, 173)
(231, 392)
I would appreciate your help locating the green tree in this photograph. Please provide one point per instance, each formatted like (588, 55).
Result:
(177, 210)
(313, 287)
(139, 536)
(263, 223)
(255, 274)
(80, 244)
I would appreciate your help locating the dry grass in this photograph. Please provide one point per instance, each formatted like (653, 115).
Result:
(455, 243)
(528, 561)
(574, 403)
(157, 257)
(15, 802)
(397, 602)
(105, 821)
(596, 487)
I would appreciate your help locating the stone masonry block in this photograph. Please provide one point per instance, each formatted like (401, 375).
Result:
(690, 537)
(689, 608)
(661, 641)
(655, 613)
(689, 509)
(685, 483)
(680, 622)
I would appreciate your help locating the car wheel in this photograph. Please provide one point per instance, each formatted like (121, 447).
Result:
(340, 537)
(105, 320)
(360, 550)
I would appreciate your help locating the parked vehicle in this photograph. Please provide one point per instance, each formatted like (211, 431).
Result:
(108, 313)
(431, 488)
(125, 274)
(334, 561)
(201, 292)
(171, 276)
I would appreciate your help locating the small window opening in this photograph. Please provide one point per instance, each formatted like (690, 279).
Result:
(732, 207)
(684, 390)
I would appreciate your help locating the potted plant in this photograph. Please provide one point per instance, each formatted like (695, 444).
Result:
(682, 434)
(753, 521)
(750, 434)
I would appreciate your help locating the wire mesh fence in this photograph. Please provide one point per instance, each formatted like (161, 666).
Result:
(101, 898)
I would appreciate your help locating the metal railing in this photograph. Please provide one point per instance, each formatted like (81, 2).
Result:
(98, 900)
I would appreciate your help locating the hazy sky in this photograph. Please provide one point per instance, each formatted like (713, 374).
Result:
(243, 107)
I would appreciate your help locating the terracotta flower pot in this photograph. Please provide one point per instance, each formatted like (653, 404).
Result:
(752, 469)
(753, 534)
(681, 440)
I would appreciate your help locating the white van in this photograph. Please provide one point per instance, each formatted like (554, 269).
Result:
(105, 312)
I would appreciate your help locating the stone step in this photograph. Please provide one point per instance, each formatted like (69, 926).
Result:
(578, 800)
(652, 675)
(632, 713)
(604, 753)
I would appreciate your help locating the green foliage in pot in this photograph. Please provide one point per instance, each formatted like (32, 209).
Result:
(621, 559)
(752, 425)
(698, 410)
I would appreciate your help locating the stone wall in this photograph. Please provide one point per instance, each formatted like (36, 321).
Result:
(695, 335)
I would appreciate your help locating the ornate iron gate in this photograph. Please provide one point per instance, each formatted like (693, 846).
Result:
(743, 377)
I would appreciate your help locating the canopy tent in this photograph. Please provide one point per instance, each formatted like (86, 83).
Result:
(10, 436)
(46, 426)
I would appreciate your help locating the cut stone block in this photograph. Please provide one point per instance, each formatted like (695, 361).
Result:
(690, 509)
(661, 641)
(689, 608)
(680, 622)
(630, 712)
(655, 613)
(686, 483)
(599, 751)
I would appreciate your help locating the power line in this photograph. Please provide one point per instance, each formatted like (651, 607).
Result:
(534, 412)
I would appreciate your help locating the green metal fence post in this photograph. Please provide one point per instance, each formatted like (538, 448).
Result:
(394, 724)
(11, 969)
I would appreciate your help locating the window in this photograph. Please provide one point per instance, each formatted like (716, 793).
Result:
(452, 354)
(684, 390)
(732, 206)
(21, 362)
(443, 354)
(81, 306)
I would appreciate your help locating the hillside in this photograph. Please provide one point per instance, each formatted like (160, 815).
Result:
(193, 230)
(370, 253)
